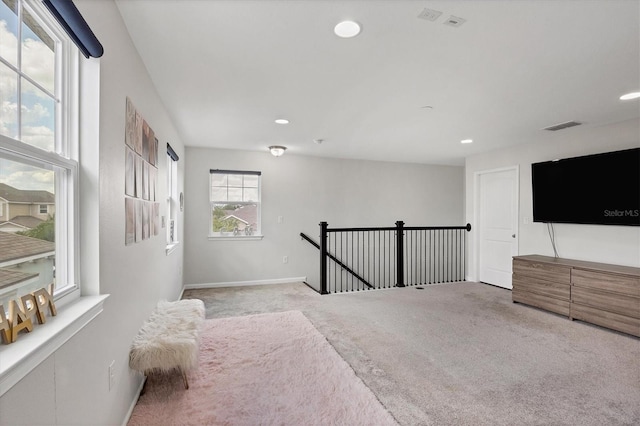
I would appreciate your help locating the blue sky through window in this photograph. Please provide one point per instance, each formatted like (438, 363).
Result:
(37, 109)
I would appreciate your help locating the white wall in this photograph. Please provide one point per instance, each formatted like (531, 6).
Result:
(599, 243)
(306, 191)
(72, 386)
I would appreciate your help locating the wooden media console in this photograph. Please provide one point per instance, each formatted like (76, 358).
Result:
(598, 293)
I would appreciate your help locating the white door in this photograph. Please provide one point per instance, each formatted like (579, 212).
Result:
(498, 226)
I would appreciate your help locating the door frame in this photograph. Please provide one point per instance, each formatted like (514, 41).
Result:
(475, 237)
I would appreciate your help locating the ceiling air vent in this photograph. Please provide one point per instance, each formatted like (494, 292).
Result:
(454, 21)
(429, 14)
(562, 126)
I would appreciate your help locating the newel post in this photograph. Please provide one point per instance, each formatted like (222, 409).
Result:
(323, 258)
(400, 253)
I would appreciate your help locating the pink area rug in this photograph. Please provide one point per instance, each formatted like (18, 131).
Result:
(262, 370)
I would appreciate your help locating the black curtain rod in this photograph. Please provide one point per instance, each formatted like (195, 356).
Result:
(234, 172)
(172, 153)
(76, 27)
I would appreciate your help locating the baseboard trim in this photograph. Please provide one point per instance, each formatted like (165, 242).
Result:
(245, 283)
(134, 402)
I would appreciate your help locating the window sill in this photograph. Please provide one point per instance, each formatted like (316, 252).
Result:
(30, 349)
(237, 238)
(172, 247)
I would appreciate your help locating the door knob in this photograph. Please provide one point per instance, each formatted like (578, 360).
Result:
(513, 235)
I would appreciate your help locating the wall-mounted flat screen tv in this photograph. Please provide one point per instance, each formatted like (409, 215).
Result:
(602, 189)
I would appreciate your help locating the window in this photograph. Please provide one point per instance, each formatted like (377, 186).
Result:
(172, 198)
(235, 204)
(38, 151)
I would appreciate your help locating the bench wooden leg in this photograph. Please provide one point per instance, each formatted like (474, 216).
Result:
(144, 386)
(184, 378)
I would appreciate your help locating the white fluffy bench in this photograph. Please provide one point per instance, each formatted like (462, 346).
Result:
(169, 339)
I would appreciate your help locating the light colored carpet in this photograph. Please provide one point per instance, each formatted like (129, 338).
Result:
(262, 369)
(463, 354)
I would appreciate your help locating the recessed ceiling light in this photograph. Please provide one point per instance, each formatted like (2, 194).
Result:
(347, 29)
(632, 95)
(466, 141)
(282, 121)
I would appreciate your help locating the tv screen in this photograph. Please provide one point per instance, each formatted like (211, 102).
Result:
(601, 189)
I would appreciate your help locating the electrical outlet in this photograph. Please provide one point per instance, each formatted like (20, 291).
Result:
(112, 374)
(285, 259)
(280, 219)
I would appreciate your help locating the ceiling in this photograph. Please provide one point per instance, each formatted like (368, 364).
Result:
(406, 89)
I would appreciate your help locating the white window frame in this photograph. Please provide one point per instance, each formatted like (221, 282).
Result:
(228, 235)
(75, 310)
(64, 160)
(46, 209)
(172, 203)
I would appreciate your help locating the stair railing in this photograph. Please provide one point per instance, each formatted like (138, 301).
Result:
(354, 259)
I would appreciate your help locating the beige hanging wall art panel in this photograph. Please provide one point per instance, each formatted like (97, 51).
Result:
(142, 212)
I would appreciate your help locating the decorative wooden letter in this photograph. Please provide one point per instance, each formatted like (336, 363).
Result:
(43, 299)
(29, 306)
(5, 327)
(19, 320)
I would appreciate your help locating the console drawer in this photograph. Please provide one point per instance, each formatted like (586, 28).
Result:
(622, 284)
(539, 286)
(608, 301)
(618, 322)
(539, 301)
(543, 271)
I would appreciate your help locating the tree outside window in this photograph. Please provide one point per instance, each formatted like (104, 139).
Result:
(235, 203)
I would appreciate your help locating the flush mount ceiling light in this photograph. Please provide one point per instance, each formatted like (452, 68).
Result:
(466, 141)
(282, 121)
(628, 96)
(347, 29)
(277, 150)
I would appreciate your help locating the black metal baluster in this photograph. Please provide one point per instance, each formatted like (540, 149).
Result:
(351, 261)
(330, 265)
(409, 255)
(460, 278)
(455, 256)
(449, 255)
(429, 269)
(422, 234)
(339, 235)
(434, 254)
(443, 277)
(371, 256)
(384, 259)
(442, 254)
(336, 253)
(439, 280)
(379, 265)
(460, 265)
(420, 258)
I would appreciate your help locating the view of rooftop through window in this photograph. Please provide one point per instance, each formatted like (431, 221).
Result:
(27, 235)
(235, 203)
